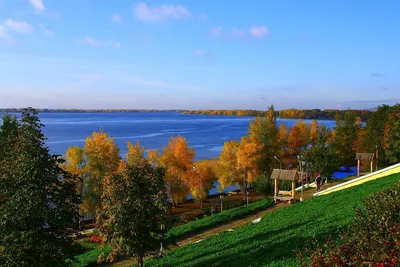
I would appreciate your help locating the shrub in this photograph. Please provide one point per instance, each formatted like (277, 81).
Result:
(373, 239)
(95, 239)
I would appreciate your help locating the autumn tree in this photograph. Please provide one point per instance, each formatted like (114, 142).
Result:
(38, 199)
(177, 160)
(204, 174)
(263, 135)
(228, 170)
(134, 217)
(304, 133)
(135, 156)
(314, 132)
(75, 164)
(294, 140)
(248, 157)
(283, 138)
(102, 160)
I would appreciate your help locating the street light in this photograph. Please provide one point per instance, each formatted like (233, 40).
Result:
(280, 163)
(221, 196)
(299, 157)
(201, 188)
(245, 184)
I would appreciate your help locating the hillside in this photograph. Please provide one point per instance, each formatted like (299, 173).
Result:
(274, 240)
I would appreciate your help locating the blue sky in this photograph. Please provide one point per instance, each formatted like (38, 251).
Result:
(210, 54)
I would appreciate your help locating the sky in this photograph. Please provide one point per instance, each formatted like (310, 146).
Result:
(209, 54)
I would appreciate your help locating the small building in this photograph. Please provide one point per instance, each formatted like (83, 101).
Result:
(286, 175)
(368, 157)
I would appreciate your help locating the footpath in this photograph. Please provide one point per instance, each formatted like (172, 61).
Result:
(231, 225)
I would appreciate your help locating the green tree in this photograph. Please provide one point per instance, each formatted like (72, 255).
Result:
(392, 135)
(136, 206)
(322, 156)
(346, 135)
(375, 130)
(38, 200)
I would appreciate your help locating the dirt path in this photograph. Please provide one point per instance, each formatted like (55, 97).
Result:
(126, 262)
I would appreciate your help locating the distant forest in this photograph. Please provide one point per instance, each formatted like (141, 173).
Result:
(327, 114)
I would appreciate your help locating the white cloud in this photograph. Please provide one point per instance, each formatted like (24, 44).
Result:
(4, 34)
(143, 12)
(37, 5)
(253, 32)
(18, 26)
(259, 31)
(48, 33)
(95, 42)
(116, 18)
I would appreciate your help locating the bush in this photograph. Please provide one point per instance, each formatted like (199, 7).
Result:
(95, 239)
(373, 238)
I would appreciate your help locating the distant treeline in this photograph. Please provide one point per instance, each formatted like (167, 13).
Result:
(328, 114)
(17, 110)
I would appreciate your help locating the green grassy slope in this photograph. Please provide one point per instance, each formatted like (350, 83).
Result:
(274, 240)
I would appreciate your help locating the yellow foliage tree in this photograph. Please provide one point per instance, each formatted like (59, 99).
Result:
(228, 166)
(294, 140)
(314, 132)
(135, 156)
(177, 160)
(283, 138)
(248, 156)
(202, 174)
(103, 159)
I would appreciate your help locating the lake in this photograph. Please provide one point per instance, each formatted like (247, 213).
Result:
(205, 133)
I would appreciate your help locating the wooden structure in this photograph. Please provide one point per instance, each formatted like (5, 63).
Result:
(365, 157)
(287, 175)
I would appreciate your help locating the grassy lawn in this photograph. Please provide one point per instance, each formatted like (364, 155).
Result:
(91, 251)
(216, 219)
(274, 240)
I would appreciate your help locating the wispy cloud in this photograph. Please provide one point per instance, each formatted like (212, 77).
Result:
(377, 75)
(255, 31)
(9, 26)
(95, 42)
(144, 12)
(18, 26)
(259, 31)
(37, 5)
(201, 52)
(116, 18)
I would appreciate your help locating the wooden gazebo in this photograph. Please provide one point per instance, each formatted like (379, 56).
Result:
(365, 157)
(287, 175)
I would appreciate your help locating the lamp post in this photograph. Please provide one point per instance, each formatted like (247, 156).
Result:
(280, 163)
(376, 163)
(299, 157)
(201, 188)
(245, 184)
(221, 196)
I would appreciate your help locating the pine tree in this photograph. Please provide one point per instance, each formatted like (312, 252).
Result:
(38, 200)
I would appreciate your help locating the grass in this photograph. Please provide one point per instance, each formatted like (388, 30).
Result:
(91, 252)
(216, 219)
(276, 238)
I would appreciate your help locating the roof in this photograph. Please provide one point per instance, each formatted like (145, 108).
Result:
(365, 156)
(288, 175)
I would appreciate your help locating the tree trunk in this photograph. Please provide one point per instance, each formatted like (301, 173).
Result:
(140, 261)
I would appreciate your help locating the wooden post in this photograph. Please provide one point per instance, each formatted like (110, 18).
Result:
(294, 189)
(358, 168)
(372, 165)
(276, 188)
